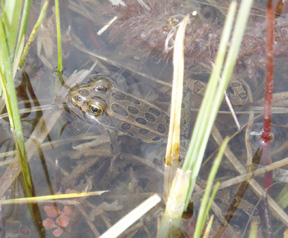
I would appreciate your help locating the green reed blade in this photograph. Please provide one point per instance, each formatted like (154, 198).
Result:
(60, 67)
(8, 87)
(12, 15)
(8, 34)
(33, 33)
(206, 118)
(24, 24)
(184, 179)
(206, 202)
(196, 152)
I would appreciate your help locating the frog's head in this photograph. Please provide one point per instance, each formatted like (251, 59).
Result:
(88, 101)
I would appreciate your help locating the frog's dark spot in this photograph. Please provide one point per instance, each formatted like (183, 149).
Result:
(149, 117)
(118, 95)
(157, 138)
(141, 121)
(161, 128)
(143, 131)
(133, 110)
(132, 100)
(126, 126)
(119, 110)
(155, 111)
(84, 92)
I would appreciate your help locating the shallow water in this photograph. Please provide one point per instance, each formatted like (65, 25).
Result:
(130, 51)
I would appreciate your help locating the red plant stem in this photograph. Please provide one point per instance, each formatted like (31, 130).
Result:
(267, 117)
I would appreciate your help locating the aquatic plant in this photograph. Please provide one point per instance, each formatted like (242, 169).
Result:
(185, 179)
(152, 29)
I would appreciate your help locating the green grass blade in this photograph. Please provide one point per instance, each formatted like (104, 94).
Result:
(6, 71)
(211, 88)
(238, 32)
(33, 33)
(12, 15)
(60, 67)
(24, 24)
(208, 111)
(8, 34)
(199, 144)
(205, 203)
(7, 83)
(205, 117)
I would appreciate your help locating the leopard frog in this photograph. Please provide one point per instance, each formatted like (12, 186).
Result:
(101, 101)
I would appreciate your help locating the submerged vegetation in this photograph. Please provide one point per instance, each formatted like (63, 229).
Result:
(110, 160)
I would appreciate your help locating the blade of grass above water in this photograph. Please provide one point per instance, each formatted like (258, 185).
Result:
(12, 15)
(7, 83)
(201, 132)
(207, 115)
(33, 33)
(196, 152)
(60, 67)
(24, 24)
(182, 182)
(206, 202)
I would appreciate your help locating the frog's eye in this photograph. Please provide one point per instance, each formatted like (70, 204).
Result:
(97, 110)
(97, 106)
(100, 88)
